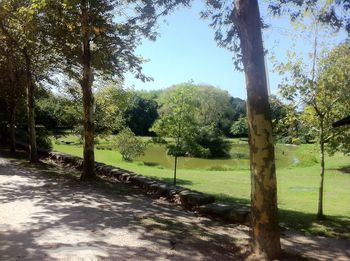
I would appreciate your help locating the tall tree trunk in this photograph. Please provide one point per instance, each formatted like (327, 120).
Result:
(12, 127)
(320, 214)
(88, 100)
(175, 167)
(176, 156)
(33, 153)
(177, 151)
(12, 108)
(264, 212)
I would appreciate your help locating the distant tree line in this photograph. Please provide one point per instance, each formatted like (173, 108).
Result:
(138, 110)
(116, 108)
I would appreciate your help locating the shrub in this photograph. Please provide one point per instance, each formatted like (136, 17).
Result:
(129, 145)
(43, 140)
(211, 144)
(208, 144)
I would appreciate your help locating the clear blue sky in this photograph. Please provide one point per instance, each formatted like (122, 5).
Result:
(186, 50)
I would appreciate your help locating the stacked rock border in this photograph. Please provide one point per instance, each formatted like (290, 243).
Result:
(192, 200)
(189, 199)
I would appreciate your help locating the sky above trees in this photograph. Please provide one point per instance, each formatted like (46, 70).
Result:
(186, 50)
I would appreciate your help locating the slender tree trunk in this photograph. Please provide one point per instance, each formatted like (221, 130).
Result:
(176, 156)
(264, 212)
(12, 127)
(13, 106)
(88, 100)
(33, 153)
(320, 214)
(175, 167)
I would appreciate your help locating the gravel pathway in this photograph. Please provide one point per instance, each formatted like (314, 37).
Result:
(45, 216)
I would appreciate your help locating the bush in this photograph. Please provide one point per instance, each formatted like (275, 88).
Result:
(208, 143)
(129, 145)
(211, 144)
(43, 140)
(239, 128)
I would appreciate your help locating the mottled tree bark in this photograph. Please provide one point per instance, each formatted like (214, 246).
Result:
(33, 154)
(88, 100)
(264, 212)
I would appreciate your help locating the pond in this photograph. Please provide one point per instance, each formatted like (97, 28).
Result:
(156, 156)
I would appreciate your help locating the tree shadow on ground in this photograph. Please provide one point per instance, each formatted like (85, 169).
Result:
(179, 182)
(332, 226)
(50, 216)
(151, 164)
(223, 198)
(344, 169)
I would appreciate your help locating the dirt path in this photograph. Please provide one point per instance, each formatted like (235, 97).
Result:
(46, 216)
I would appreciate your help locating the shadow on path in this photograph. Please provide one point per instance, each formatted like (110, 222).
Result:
(46, 215)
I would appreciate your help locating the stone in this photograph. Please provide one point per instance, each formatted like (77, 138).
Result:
(126, 176)
(159, 189)
(99, 167)
(192, 199)
(230, 213)
(116, 173)
(141, 181)
(106, 169)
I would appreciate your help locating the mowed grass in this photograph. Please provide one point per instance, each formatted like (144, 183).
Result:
(298, 184)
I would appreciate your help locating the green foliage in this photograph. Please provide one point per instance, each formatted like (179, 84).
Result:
(114, 36)
(23, 28)
(324, 99)
(230, 183)
(177, 118)
(43, 139)
(334, 96)
(215, 107)
(200, 110)
(239, 128)
(129, 145)
(286, 127)
(140, 114)
(332, 13)
(55, 111)
(111, 103)
(211, 144)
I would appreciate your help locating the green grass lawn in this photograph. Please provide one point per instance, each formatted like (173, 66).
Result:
(229, 181)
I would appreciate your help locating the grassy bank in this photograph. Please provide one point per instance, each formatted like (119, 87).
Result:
(229, 181)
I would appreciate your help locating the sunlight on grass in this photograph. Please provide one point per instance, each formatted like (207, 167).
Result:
(229, 181)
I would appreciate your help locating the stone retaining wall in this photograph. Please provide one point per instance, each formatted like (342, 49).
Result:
(189, 199)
